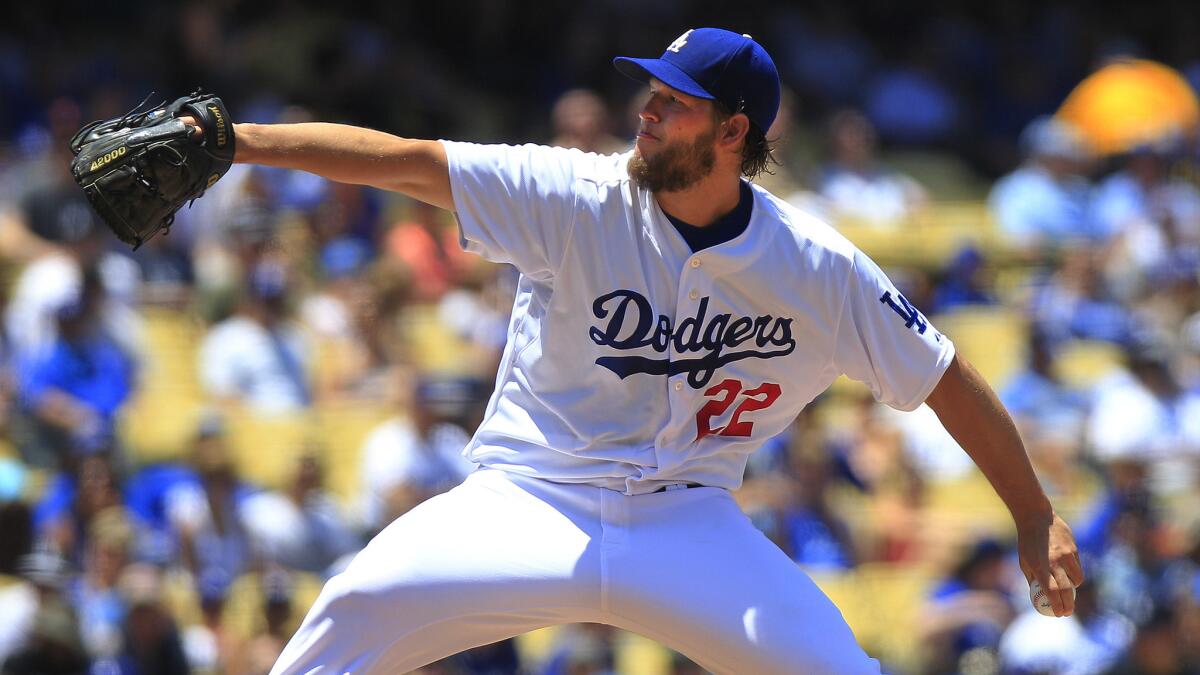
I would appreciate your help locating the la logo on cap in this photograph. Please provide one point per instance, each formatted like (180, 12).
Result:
(679, 42)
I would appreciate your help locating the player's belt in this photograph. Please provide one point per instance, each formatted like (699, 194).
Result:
(676, 486)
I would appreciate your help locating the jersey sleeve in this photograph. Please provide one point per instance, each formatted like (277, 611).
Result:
(515, 204)
(885, 342)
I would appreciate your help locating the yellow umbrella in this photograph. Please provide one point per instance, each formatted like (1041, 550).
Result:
(1131, 102)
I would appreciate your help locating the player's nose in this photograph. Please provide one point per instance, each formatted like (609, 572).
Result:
(650, 112)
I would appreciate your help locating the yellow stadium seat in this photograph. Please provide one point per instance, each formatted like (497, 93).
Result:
(434, 346)
(536, 646)
(637, 655)
(266, 449)
(967, 503)
(342, 429)
(931, 236)
(157, 423)
(876, 598)
(1082, 363)
(993, 338)
(244, 607)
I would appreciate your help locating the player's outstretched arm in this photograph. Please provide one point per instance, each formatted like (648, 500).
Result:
(974, 416)
(349, 154)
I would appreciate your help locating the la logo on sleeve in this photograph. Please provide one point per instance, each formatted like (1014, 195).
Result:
(679, 42)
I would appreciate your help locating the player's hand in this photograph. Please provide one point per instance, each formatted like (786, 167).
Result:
(197, 129)
(1049, 555)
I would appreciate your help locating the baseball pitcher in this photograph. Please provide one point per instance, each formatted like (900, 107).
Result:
(670, 316)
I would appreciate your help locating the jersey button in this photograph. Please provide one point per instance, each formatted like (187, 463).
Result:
(695, 262)
(693, 294)
(678, 386)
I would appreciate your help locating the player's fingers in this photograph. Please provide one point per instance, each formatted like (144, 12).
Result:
(1061, 593)
(1074, 569)
(197, 129)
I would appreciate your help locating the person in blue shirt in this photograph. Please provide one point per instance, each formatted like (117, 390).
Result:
(1045, 201)
(74, 389)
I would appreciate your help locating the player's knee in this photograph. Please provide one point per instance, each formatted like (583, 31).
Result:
(357, 595)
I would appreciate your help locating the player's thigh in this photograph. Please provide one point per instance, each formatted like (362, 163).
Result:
(702, 579)
(480, 563)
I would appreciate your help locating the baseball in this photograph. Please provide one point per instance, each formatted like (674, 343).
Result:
(1041, 601)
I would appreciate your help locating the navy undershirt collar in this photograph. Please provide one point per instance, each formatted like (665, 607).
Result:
(725, 228)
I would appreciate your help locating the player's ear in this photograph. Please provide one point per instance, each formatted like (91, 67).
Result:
(734, 130)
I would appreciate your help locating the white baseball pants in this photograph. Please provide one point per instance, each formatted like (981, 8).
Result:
(501, 555)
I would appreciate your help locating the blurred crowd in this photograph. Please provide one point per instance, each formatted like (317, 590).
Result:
(307, 296)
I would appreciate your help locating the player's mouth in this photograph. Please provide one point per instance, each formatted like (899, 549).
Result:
(644, 135)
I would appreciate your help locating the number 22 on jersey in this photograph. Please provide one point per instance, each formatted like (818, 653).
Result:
(723, 395)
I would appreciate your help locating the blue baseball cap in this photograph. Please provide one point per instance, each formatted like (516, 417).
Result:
(718, 65)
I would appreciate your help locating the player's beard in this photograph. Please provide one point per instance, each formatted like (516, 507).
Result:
(677, 166)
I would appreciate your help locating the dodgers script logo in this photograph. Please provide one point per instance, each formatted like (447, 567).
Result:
(630, 323)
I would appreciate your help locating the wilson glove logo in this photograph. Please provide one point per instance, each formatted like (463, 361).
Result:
(630, 323)
(108, 157)
(222, 132)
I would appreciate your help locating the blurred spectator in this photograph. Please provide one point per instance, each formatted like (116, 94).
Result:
(966, 280)
(815, 536)
(45, 637)
(418, 453)
(857, 186)
(101, 605)
(581, 120)
(968, 610)
(1188, 364)
(1143, 413)
(227, 231)
(8, 378)
(207, 515)
(494, 659)
(427, 244)
(212, 645)
(1045, 201)
(477, 311)
(1087, 643)
(1157, 649)
(53, 646)
(301, 528)
(73, 244)
(1035, 396)
(880, 461)
(581, 648)
(1150, 216)
(1074, 301)
(263, 650)
(346, 316)
(258, 357)
(792, 155)
(152, 642)
(824, 50)
(36, 176)
(16, 522)
(1132, 565)
(39, 578)
(1048, 414)
(346, 224)
(89, 486)
(910, 103)
(76, 386)
(165, 266)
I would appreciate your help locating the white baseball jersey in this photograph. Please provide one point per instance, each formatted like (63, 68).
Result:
(633, 362)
